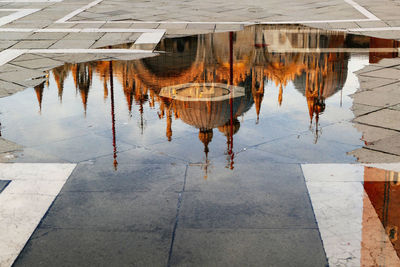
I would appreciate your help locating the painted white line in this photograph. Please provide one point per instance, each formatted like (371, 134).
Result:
(76, 12)
(362, 10)
(88, 51)
(379, 29)
(19, 13)
(150, 38)
(10, 54)
(29, 1)
(351, 231)
(24, 202)
(16, 30)
(74, 30)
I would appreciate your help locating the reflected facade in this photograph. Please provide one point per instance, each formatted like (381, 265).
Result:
(210, 81)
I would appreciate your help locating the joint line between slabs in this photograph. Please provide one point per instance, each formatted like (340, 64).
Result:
(178, 208)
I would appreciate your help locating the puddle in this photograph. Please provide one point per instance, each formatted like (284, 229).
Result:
(279, 90)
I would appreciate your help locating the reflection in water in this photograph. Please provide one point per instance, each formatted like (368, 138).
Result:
(209, 81)
(383, 192)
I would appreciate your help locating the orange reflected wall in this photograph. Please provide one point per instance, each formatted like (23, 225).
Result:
(381, 243)
(205, 58)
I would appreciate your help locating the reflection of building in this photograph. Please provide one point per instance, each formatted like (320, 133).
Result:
(245, 59)
(383, 191)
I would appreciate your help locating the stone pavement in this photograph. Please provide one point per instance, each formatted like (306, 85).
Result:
(174, 218)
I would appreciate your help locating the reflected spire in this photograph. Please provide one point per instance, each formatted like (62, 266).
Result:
(205, 136)
(60, 74)
(39, 95)
(115, 163)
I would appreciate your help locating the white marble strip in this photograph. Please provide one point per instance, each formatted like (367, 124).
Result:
(362, 10)
(77, 11)
(88, 51)
(10, 54)
(74, 30)
(150, 38)
(29, 1)
(24, 202)
(19, 13)
(351, 231)
(221, 22)
(378, 29)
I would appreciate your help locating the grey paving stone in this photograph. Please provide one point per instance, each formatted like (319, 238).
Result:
(379, 97)
(68, 44)
(368, 83)
(38, 63)
(30, 155)
(6, 44)
(87, 25)
(371, 24)
(47, 36)
(364, 155)
(361, 109)
(210, 26)
(88, 247)
(116, 25)
(245, 247)
(303, 149)
(84, 36)
(141, 203)
(10, 87)
(250, 196)
(168, 26)
(395, 107)
(388, 73)
(138, 25)
(7, 36)
(371, 134)
(20, 77)
(145, 174)
(83, 147)
(8, 146)
(229, 27)
(34, 44)
(385, 118)
(343, 25)
(389, 145)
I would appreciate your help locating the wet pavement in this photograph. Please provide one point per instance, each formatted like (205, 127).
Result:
(215, 149)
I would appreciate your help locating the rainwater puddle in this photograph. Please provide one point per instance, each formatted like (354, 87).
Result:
(280, 91)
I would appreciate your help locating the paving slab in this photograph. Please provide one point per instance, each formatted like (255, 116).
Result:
(303, 149)
(247, 247)
(384, 96)
(72, 247)
(34, 44)
(83, 44)
(250, 196)
(385, 118)
(389, 145)
(364, 155)
(371, 134)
